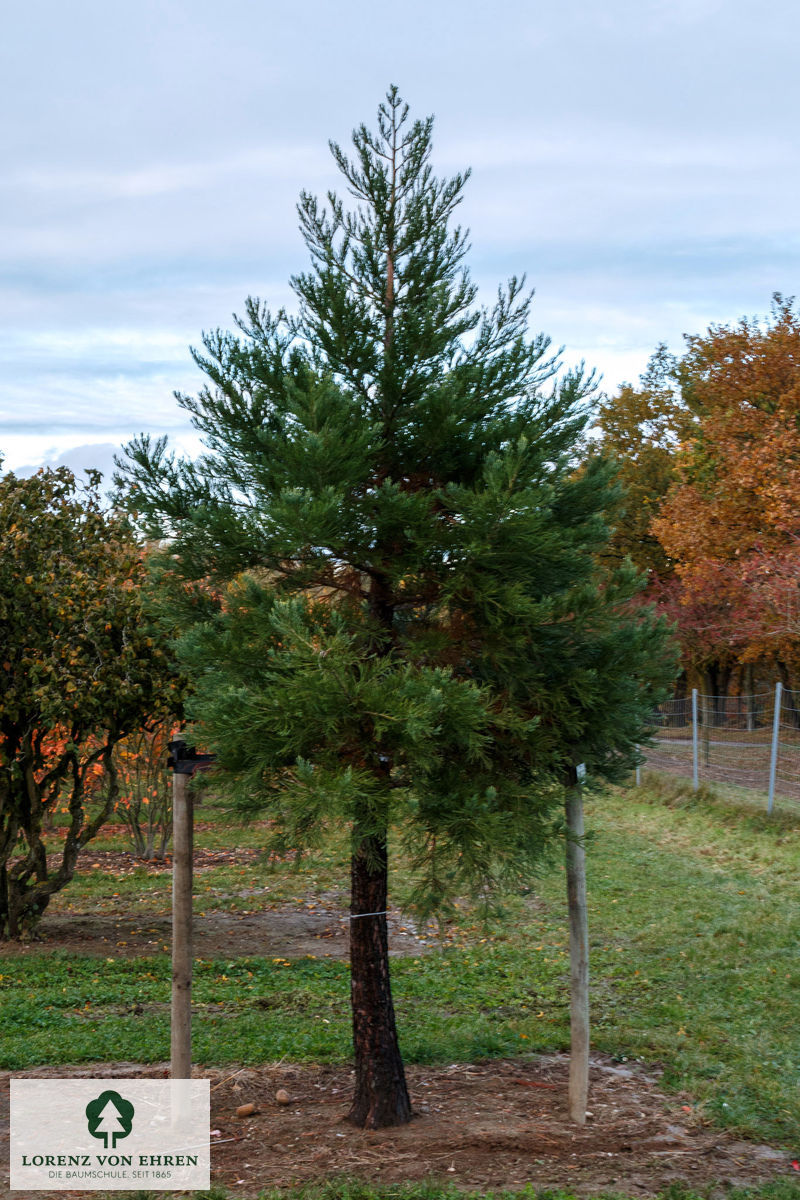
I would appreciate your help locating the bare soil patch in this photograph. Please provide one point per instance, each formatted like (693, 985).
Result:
(281, 932)
(490, 1125)
(125, 862)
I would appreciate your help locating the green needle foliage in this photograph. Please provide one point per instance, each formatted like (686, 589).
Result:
(402, 618)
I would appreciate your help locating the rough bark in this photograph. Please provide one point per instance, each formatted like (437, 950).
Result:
(381, 1096)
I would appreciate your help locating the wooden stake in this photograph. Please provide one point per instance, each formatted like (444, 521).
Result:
(182, 854)
(578, 953)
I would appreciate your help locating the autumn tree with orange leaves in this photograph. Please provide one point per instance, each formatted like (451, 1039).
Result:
(708, 452)
(145, 788)
(717, 434)
(642, 428)
(739, 471)
(81, 667)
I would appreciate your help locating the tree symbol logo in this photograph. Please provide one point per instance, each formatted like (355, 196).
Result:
(110, 1117)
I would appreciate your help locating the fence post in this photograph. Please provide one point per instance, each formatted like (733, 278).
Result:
(578, 948)
(181, 1015)
(695, 746)
(773, 758)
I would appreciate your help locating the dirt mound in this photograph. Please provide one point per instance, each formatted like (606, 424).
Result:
(489, 1125)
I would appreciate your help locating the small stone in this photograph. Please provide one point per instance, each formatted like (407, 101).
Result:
(282, 1096)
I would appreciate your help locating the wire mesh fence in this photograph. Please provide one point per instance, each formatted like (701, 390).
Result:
(787, 777)
(749, 741)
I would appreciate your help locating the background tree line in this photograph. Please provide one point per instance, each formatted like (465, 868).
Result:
(708, 451)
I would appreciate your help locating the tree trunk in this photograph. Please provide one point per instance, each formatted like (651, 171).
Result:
(790, 700)
(749, 688)
(717, 678)
(578, 952)
(21, 914)
(23, 902)
(682, 709)
(381, 1096)
(9, 914)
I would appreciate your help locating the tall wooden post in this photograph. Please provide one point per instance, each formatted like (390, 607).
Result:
(578, 951)
(182, 855)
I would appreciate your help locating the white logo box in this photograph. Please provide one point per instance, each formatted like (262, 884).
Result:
(110, 1134)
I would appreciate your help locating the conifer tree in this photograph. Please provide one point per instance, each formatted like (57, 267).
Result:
(414, 631)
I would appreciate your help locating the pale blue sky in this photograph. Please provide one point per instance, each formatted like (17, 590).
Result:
(637, 159)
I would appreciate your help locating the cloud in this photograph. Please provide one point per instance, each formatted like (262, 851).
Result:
(83, 456)
(288, 162)
(97, 456)
(637, 159)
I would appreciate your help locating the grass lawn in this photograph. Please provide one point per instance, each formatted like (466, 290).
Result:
(694, 926)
